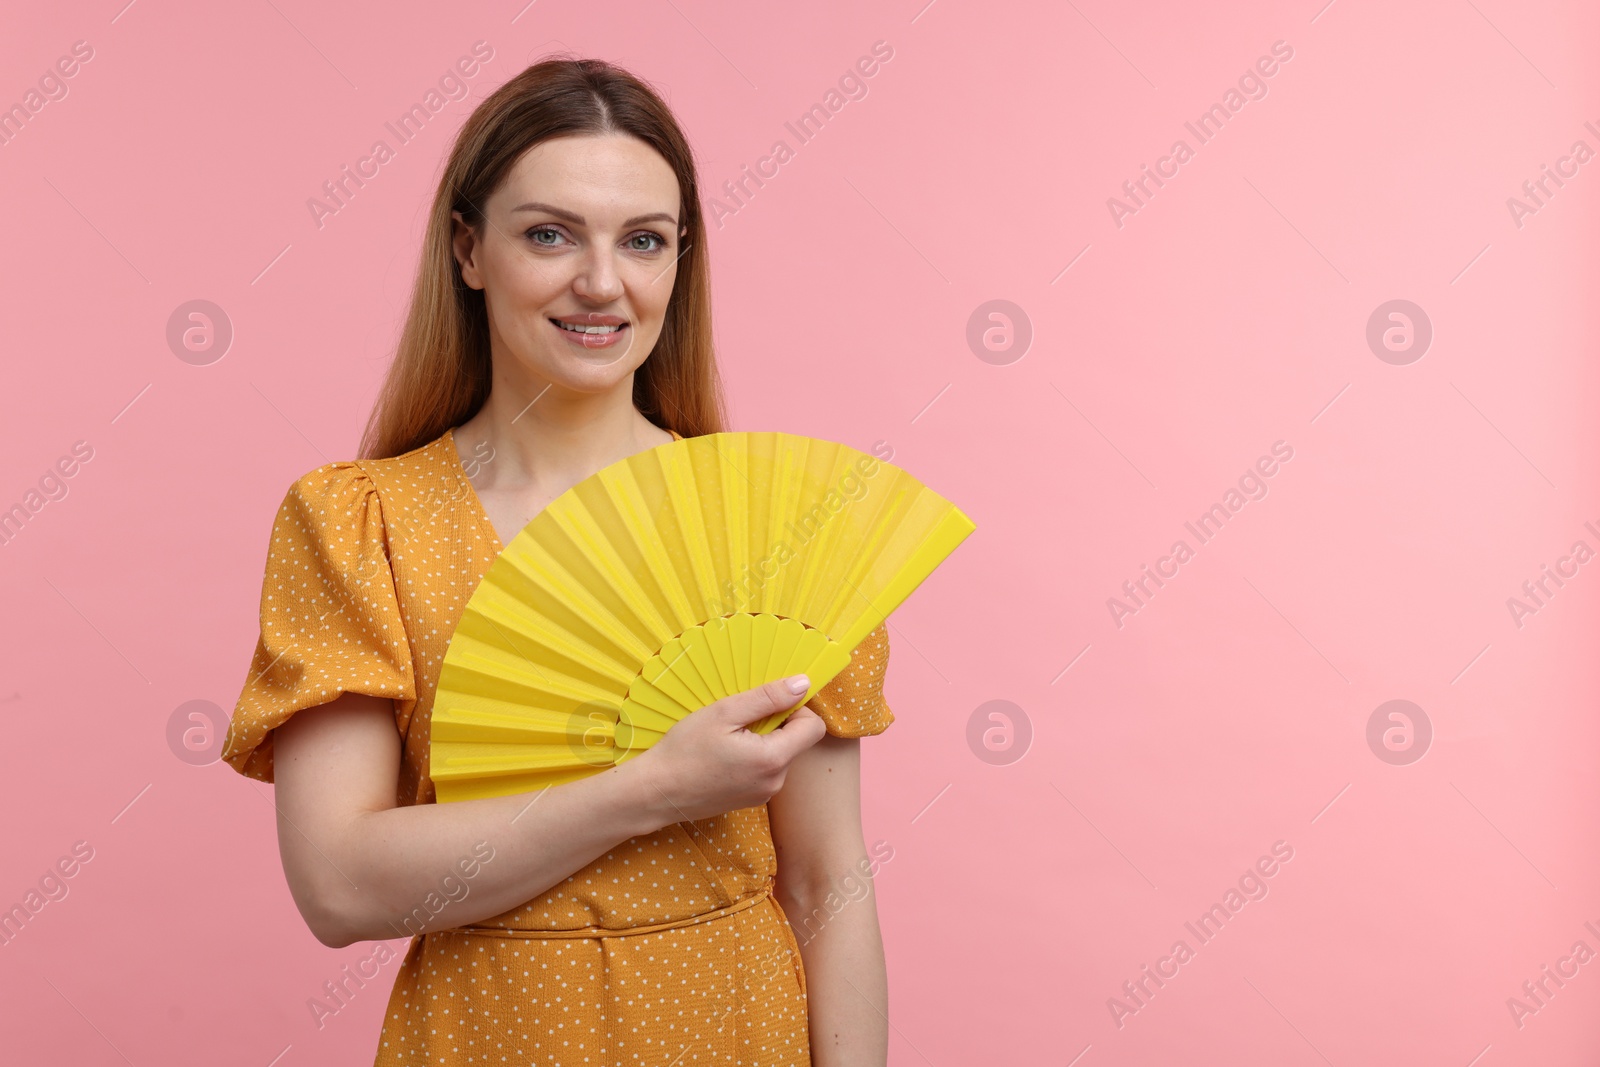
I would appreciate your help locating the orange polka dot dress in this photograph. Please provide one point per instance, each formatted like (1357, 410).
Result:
(668, 950)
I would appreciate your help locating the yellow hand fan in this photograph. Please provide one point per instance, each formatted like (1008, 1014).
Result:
(668, 580)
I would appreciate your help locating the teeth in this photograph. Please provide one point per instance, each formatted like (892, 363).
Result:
(586, 329)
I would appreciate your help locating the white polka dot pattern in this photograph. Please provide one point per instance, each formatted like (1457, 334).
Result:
(370, 566)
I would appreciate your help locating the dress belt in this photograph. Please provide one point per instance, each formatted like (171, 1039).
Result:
(602, 931)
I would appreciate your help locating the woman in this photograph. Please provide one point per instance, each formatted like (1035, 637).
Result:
(560, 322)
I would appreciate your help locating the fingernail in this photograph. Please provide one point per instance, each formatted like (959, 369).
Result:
(799, 683)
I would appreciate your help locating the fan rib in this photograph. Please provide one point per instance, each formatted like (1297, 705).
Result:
(675, 577)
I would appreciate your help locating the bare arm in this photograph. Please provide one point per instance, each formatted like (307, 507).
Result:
(358, 866)
(824, 885)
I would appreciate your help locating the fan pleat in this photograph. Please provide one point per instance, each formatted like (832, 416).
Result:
(647, 560)
(877, 550)
(536, 589)
(667, 581)
(625, 588)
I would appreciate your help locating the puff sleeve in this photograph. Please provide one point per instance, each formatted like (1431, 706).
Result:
(852, 705)
(330, 620)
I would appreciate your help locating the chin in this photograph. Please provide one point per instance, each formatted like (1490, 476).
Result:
(602, 371)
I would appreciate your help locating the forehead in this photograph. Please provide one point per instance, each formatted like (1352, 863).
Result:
(605, 177)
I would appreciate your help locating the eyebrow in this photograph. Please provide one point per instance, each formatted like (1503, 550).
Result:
(578, 220)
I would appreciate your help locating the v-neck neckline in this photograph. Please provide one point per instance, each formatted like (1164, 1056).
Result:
(481, 513)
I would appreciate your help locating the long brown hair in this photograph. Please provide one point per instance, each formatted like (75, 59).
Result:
(440, 376)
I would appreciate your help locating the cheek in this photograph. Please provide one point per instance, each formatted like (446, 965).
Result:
(519, 288)
(652, 292)
(529, 278)
(509, 313)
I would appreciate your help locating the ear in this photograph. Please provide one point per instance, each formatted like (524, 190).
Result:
(464, 245)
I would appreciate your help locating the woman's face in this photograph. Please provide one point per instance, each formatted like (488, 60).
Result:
(576, 258)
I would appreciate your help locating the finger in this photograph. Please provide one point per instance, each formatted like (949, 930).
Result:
(797, 719)
(756, 704)
(799, 732)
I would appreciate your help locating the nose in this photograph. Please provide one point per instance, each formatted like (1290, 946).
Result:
(597, 280)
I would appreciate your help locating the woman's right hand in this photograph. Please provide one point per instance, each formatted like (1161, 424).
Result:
(709, 763)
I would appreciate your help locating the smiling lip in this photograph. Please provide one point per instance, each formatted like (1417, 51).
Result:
(593, 329)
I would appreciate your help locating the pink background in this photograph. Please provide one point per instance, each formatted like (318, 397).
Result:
(1227, 314)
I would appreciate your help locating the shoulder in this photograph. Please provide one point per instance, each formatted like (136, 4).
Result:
(853, 703)
(344, 484)
(328, 484)
(329, 504)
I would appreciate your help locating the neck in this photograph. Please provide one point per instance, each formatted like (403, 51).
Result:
(546, 438)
